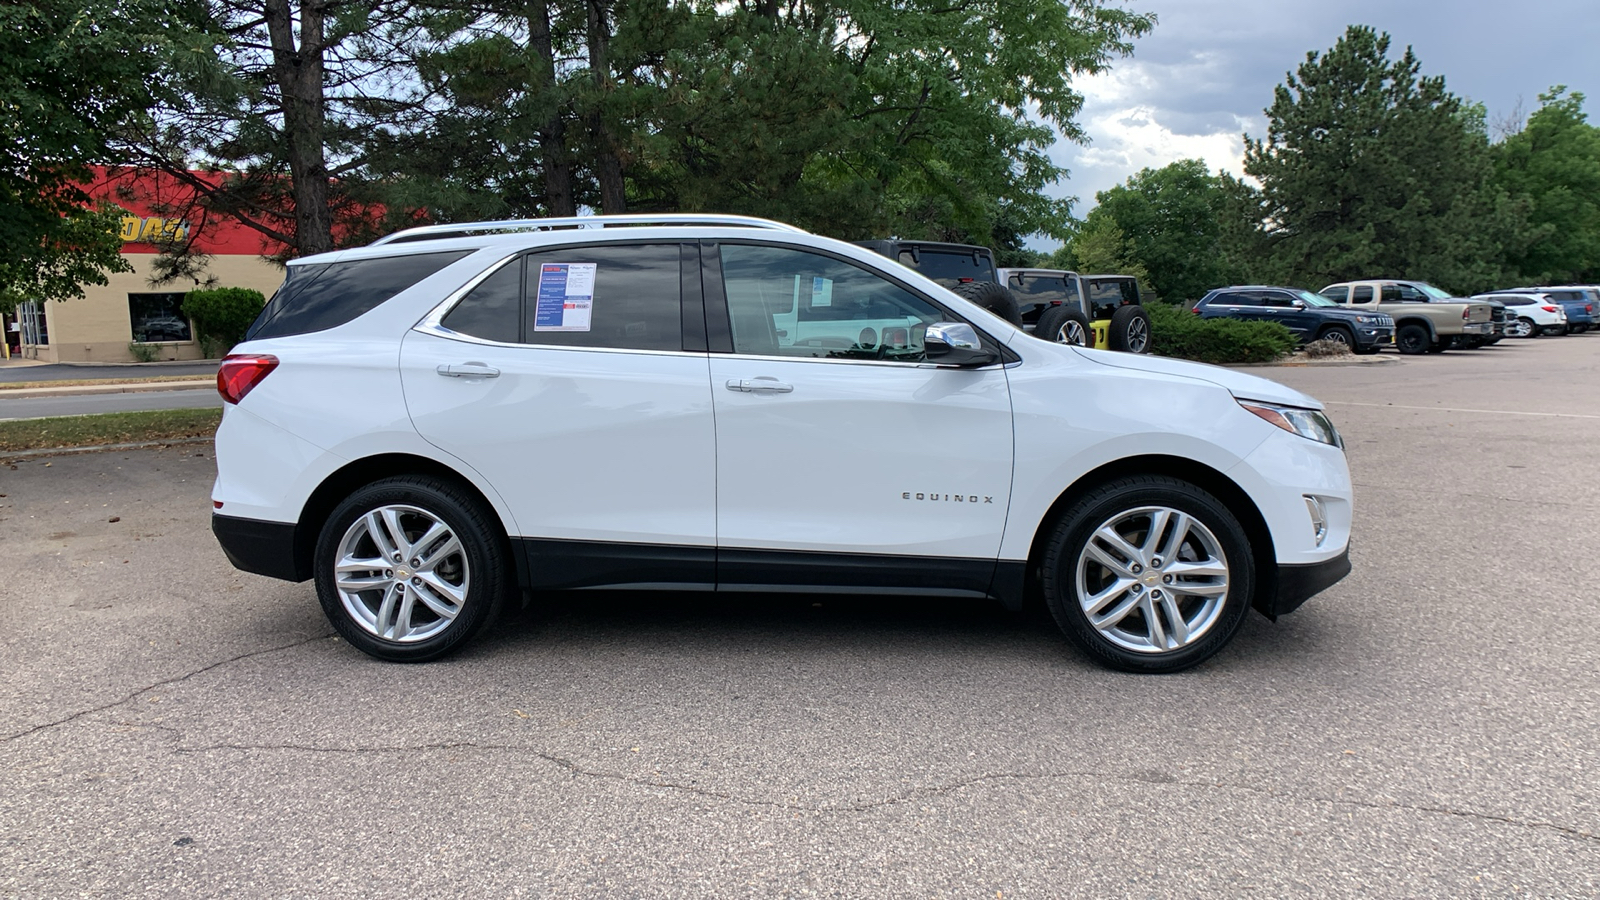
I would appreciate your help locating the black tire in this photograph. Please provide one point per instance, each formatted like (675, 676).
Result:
(480, 570)
(1064, 325)
(1365, 350)
(1119, 505)
(996, 298)
(1130, 330)
(1583, 329)
(1339, 335)
(1412, 339)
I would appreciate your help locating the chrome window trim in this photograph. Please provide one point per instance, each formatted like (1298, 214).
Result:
(436, 316)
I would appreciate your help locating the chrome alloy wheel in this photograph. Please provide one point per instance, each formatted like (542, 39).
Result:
(1071, 332)
(1138, 335)
(1152, 579)
(401, 573)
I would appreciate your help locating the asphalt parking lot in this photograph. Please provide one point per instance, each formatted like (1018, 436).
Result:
(1428, 727)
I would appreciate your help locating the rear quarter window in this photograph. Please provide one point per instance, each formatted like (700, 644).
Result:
(319, 297)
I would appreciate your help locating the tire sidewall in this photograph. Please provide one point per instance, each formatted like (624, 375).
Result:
(1121, 321)
(484, 549)
(1052, 320)
(1072, 532)
(1416, 331)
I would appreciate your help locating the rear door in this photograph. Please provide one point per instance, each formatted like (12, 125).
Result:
(844, 457)
(567, 379)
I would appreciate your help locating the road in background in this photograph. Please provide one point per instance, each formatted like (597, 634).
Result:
(204, 396)
(15, 372)
(1427, 727)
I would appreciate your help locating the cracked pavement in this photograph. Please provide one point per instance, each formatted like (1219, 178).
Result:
(1427, 727)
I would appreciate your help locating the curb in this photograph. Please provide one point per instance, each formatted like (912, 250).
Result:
(13, 455)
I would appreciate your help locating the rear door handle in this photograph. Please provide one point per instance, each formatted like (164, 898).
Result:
(468, 370)
(761, 385)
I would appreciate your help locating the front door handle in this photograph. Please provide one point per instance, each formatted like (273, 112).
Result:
(762, 385)
(468, 370)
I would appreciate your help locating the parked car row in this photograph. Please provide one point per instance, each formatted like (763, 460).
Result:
(1414, 316)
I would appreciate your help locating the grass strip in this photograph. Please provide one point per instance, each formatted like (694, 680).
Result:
(80, 382)
(108, 428)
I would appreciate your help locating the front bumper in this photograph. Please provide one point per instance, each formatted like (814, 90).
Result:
(1375, 336)
(261, 548)
(1298, 583)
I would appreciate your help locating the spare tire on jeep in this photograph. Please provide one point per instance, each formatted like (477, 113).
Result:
(996, 298)
(1130, 330)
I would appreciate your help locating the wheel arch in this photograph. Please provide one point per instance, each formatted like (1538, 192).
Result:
(1212, 481)
(345, 480)
(1424, 321)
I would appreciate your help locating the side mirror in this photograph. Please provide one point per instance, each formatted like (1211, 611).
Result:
(956, 344)
(1297, 304)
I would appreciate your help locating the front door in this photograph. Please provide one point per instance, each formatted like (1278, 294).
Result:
(844, 457)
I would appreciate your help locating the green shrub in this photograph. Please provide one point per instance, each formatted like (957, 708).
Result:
(222, 315)
(1177, 332)
(144, 352)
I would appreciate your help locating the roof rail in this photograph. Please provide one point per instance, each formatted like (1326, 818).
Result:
(462, 229)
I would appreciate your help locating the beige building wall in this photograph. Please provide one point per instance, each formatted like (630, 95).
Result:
(97, 328)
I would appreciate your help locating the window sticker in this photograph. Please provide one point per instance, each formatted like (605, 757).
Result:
(821, 291)
(566, 297)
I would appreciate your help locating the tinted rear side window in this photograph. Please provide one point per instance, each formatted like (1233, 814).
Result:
(950, 269)
(336, 293)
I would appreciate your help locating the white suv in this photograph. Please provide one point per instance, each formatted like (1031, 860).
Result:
(427, 425)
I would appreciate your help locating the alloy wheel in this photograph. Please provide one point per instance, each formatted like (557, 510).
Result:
(402, 573)
(1152, 579)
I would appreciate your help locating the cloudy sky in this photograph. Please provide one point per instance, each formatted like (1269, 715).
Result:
(1204, 75)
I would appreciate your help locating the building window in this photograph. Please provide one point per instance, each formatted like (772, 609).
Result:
(30, 316)
(158, 317)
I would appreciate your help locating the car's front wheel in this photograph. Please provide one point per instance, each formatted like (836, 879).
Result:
(408, 568)
(1148, 574)
(1412, 339)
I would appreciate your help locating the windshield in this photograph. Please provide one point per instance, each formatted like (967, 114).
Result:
(1433, 292)
(1312, 299)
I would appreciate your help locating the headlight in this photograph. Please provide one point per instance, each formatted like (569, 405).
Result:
(1367, 320)
(1308, 423)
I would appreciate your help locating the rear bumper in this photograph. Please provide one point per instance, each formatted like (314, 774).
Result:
(261, 548)
(1299, 583)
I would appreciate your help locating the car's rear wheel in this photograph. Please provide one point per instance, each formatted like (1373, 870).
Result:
(1412, 339)
(1129, 330)
(1064, 326)
(996, 298)
(408, 568)
(1148, 574)
(1522, 327)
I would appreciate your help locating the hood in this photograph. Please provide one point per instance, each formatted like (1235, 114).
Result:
(1240, 384)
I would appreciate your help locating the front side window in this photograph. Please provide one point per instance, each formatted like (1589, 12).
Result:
(158, 317)
(785, 302)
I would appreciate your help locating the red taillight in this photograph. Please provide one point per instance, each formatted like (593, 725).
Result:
(1466, 314)
(239, 374)
(1588, 308)
(1196, 311)
(1548, 308)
